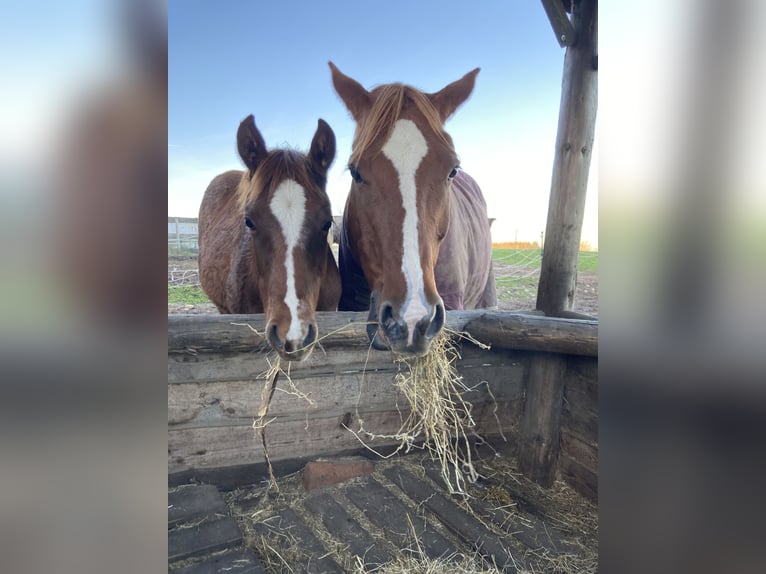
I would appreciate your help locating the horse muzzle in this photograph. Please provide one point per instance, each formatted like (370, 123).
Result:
(292, 349)
(406, 337)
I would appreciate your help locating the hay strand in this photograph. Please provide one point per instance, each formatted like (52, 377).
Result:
(260, 423)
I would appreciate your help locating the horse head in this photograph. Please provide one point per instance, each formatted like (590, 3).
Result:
(287, 215)
(397, 213)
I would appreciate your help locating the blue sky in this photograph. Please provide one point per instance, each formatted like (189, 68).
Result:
(230, 59)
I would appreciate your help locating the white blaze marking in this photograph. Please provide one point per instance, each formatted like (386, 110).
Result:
(288, 204)
(406, 148)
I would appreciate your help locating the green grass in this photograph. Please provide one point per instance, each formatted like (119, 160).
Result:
(521, 282)
(525, 257)
(186, 294)
(588, 261)
(183, 251)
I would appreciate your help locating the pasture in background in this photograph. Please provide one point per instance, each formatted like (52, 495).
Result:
(517, 271)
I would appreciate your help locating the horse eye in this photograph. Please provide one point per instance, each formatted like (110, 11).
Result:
(355, 174)
(326, 227)
(249, 223)
(452, 174)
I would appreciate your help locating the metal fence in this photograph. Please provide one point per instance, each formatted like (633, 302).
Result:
(182, 236)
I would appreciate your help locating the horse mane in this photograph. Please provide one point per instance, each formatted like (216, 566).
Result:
(279, 164)
(389, 104)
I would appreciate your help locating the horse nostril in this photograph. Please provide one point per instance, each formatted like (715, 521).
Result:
(387, 316)
(310, 336)
(394, 327)
(274, 339)
(437, 322)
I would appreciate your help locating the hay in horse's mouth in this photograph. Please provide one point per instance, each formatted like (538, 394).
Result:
(439, 418)
(434, 390)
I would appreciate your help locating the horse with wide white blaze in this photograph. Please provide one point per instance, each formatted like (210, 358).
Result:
(263, 239)
(415, 238)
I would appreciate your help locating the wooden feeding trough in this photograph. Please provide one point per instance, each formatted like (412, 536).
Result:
(216, 366)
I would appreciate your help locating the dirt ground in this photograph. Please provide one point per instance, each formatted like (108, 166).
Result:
(519, 295)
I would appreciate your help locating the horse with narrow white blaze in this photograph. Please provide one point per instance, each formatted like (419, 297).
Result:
(263, 239)
(415, 238)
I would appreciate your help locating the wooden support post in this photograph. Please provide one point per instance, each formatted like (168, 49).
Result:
(539, 443)
(562, 27)
(574, 144)
(541, 423)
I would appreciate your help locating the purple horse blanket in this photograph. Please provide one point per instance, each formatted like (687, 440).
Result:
(464, 275)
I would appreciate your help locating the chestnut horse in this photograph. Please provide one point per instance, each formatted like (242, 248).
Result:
(263, 239)
(415, 238)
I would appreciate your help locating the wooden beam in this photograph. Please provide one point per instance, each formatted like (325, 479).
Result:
(562, 27)
(535, 333)
(574, 145)
(502, 329)
(539, 443)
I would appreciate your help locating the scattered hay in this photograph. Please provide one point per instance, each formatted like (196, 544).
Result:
(575, 517)
(417, 562)
(454, 564)
(440, 418)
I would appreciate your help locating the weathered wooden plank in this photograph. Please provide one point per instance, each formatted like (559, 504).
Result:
(337, 520)
(238, 443)
(194, 334)
(222, 333)
(193, 502)
(238, 562)
(531, 531)
(582, 375)
(287, 529)
(579, 477)
(541, 421)
(234, 476)
(578, 461)
(238, 366)
(207, 537)
(580, 396)
(235, 366)
(586, 453)
(535, 333)
(388, 513)
(579, 420)
(217, 402)
(465, 526)
(213, 402)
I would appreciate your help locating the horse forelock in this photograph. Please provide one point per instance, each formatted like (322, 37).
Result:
(390, 101)
(278, 166)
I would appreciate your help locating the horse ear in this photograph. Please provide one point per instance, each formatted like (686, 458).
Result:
(353, 94)
(322, 151)
(449, 98)
(250, 144)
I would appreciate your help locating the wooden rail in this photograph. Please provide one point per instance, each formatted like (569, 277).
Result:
(515, 331)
